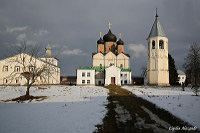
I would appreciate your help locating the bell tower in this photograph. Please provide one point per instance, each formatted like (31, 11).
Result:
(157, 66)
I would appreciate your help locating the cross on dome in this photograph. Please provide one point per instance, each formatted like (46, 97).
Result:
(109, 25)
(100, 34)
(120, 35)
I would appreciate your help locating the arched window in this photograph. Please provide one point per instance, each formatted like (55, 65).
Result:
(121, 65)
(153, 44)
(100, 65)
(16, 80)
(5, 81)
(161, 44)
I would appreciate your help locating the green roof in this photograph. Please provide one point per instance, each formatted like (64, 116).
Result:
(102, 68)
(86, 68)
(157, 29)
(126, 70)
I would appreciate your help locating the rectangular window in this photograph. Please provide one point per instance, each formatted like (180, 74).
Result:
(5, 81)
(17, 68)
(83, 74)
(161, 44)
(125, 81)
(5, 68)
(31, 68)
(16, 80)
(83, 81)
(125, 75)
(88, 74)
(88, 81)
(153, 44)
(121, 81)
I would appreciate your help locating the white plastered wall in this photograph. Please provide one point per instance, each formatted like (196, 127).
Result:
(80, 77)
(11, 75)
(157, 68)
(112, 71)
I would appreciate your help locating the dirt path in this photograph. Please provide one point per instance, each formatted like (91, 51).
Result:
(128, 113)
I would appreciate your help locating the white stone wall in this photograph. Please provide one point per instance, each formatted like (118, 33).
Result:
(99, 78)
(111, 58)
(123, 60)
(51, 60)
(98, 59)
(81, 78)
(13, 77)
(182, 79)
(157, 66)
(125, 76)
(112, 72)
(97, 81)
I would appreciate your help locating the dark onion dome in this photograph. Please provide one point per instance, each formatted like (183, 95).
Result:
(109, 37)
(120, 42)
(100, 41)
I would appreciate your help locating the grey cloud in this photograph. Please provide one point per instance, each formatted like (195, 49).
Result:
(76, 24)
(21, 37)
(15, 29)
(137, 50)
(69, 52)
(41, 33)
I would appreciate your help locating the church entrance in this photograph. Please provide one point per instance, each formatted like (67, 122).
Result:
(112, 80)
(99, 82)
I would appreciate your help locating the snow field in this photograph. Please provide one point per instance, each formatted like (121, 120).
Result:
(182, 104)
(69, 109)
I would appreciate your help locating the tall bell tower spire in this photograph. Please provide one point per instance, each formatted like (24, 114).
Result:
(157, 68)
(156, 13)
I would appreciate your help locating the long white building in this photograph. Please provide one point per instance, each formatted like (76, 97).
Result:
(110, 63)
(12, 69)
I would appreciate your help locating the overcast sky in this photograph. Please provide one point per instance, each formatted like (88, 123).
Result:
(72, 27)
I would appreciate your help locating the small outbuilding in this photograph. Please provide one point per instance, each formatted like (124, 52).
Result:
(181, 77)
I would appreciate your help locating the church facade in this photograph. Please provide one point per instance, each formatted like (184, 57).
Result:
(111, 64)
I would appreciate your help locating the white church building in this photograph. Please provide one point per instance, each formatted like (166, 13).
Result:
(110, 63)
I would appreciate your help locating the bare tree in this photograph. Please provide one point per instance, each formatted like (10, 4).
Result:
(144, 72)
(32, 68)
(192, 65)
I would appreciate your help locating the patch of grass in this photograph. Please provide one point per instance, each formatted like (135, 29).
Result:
(42, 88)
